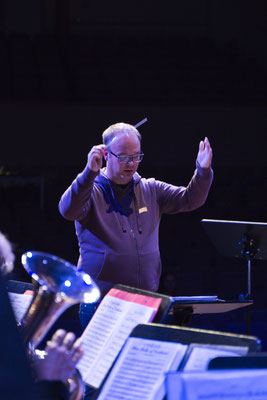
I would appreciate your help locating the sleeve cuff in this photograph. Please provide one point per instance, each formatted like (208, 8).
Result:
(87, 176)
(204, 172)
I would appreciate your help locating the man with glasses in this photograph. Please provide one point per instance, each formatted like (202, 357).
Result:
(117, 213)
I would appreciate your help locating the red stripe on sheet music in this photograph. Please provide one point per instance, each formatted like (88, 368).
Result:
(148, 301)
(31, 292)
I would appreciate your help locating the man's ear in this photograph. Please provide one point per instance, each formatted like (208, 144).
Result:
(105, 154)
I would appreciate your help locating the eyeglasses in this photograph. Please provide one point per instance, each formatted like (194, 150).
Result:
(126, 159)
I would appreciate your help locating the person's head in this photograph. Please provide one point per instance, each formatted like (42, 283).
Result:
(123, 142)
(7, 256)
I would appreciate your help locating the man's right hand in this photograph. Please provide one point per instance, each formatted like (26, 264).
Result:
(95, 157)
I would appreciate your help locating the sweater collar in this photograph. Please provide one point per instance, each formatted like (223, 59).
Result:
(122, 209)
(103, 178)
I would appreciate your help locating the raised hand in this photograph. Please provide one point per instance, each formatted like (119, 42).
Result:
(204, 156)
(95, 157)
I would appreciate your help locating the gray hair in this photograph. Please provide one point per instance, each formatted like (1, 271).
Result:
(119, 128)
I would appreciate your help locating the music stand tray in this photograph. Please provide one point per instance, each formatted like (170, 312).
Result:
(243, 239)
(183, 311)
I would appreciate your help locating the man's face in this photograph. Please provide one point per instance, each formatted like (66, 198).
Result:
(124, 144)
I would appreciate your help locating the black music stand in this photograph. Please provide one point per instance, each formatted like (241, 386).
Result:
(243, 239)
(183, 310)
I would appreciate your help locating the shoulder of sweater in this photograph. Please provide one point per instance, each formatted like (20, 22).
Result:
(146, 181)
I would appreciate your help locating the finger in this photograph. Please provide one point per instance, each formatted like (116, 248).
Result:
(58, 337)
(201, 146)
(207, 144)
(99, 149)
(69, 340)
(99, 155)
(96, 155)
(76, 348)
(77, 356)
(210, 154)
(208, 163)
(102, 147)
(77, 344)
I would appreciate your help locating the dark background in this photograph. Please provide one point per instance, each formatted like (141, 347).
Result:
(69, 69)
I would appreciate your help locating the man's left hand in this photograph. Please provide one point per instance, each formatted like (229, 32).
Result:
(62, 354)
(204, 156)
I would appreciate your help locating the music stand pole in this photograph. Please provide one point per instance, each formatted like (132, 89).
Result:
(249, 251)
(249, 279)
(248, 297)
(226, 236)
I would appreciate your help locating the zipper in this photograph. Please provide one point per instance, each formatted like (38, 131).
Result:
(137, 252)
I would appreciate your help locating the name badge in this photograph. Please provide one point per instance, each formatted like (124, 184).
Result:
(142, 210)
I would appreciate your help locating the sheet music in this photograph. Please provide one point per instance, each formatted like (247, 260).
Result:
(20, 304)
(199, 355)
(139, 372)
(249, 384)
(107, 331)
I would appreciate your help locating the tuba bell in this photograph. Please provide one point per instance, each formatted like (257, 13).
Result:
(60, 286)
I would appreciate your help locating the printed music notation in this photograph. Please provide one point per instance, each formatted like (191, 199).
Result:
(245, 384)
(117, 315)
